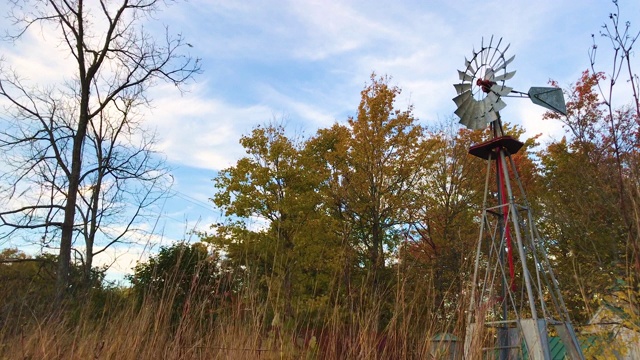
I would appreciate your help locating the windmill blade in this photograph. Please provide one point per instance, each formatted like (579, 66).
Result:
(490, 41)
(481, 108)
(483, 52)
(489, 75)
(466, 109)
(504, 64)
(482, 123)
(464, 77)
(501, 90)
(466, 121)
(495, 52)
(495, 102)
(478, 121)
(469, 65)
(460, 88)
(467, 117)
(463, 98)
(461, 112)
(493, 63)
(471, 122)
(499, 105)
(475, 59)
(505, 76)
(464, 112)
(497, 47)
(491, 116)
(504, 51)
(491, 98)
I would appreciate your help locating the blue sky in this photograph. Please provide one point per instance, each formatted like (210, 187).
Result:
(305, 62)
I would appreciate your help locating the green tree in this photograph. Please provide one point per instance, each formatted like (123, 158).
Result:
(182, 275)
(27, 286)
(276, 229)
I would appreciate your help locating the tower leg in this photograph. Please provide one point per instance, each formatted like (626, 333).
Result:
(535, 336)
(569, 339)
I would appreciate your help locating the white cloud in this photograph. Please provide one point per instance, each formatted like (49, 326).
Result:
(121, 261)
(331, 27)
(311, 114)
(39, 57)
(201, 132)
(530, 116)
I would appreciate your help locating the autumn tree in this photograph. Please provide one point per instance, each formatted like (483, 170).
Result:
(275, 227)
(582, 218)
(590, 196)
(583, 194)
(439, 246)
(377, 171)
(327, 151)
(66, 143)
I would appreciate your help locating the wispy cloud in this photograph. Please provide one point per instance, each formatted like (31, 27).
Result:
(200, 131)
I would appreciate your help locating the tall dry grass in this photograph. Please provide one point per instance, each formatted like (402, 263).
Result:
(247, 326)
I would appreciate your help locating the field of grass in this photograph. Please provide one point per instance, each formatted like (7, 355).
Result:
(111, 324)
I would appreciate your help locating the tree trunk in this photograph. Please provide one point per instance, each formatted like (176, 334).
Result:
(377, 251)
(66, 238)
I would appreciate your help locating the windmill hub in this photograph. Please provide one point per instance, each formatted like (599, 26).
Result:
(485, 85)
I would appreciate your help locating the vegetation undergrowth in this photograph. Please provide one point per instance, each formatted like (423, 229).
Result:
(115, 322)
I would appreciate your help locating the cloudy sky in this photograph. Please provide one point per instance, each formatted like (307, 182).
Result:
(304, 62)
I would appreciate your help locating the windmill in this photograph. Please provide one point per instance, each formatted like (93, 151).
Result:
(515, 297)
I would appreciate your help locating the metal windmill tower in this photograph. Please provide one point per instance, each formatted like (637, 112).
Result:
(515, 299)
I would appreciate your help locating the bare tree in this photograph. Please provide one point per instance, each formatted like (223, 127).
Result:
(72, 148)
(623, 122)
(122, 178)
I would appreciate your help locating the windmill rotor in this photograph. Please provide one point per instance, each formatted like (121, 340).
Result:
(482, 84)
